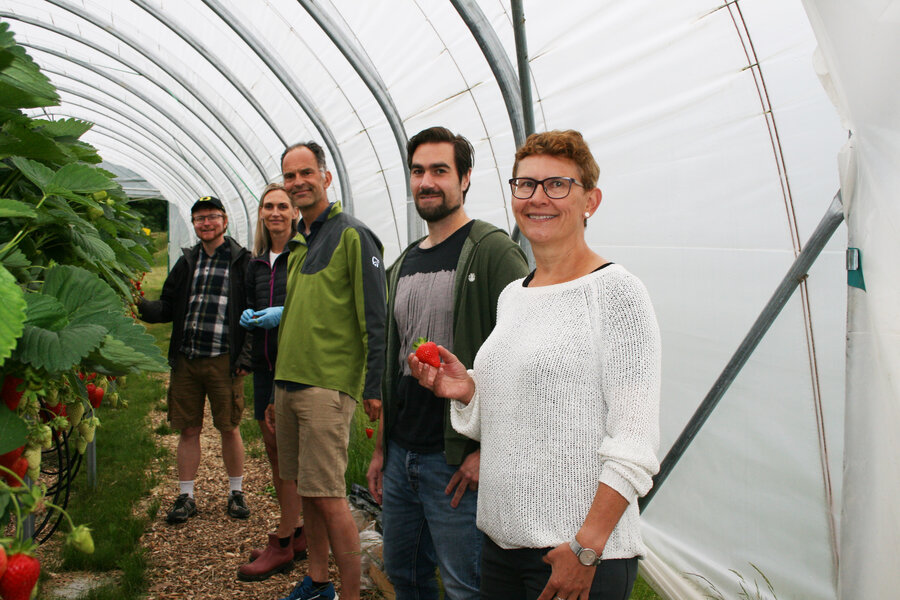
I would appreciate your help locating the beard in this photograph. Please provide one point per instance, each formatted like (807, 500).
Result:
(433, 213)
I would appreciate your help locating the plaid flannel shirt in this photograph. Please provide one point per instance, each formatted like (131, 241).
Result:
(206, 326)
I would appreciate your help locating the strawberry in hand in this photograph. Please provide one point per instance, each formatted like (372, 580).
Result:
(427, 352)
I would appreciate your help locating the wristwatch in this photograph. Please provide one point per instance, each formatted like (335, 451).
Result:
(586, 556)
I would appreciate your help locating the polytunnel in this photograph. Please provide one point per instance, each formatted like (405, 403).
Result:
(723, 131)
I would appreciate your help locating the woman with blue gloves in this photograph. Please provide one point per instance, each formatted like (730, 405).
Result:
(266, 288)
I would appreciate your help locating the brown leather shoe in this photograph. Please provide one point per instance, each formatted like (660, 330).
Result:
(299, 543)
(274, 559)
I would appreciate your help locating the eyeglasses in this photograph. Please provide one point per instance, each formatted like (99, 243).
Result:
(555, 187)
(205, 218)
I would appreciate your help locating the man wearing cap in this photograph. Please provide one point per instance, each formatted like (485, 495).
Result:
(203, 297)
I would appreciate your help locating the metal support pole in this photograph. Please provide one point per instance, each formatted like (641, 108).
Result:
(365, 68)
(91, 455)
(518, 21)
(28, 523)
(796, 274)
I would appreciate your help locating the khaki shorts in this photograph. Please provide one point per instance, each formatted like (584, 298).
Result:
(193, 380)
(312, 428)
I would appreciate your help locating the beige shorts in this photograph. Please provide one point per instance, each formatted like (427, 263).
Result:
(193, 380)
(312, 428)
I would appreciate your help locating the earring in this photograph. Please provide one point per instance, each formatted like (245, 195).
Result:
(586, 215)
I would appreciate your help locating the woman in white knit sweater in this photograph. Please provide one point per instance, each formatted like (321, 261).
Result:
(564, 397)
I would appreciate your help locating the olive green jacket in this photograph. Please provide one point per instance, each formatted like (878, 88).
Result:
(488, 262)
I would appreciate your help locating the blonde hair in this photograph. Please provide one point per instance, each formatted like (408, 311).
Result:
(262, 241)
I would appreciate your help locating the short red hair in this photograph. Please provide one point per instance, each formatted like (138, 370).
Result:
(563, 144)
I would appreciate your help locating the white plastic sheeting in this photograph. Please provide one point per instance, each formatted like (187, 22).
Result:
(717, 145)
(855, 42)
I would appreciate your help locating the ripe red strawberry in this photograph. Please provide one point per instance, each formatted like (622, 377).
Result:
(21, 574)
(427, 352)
(369, 432)
(9, 459)
(2, 561)
(19, 467)
(95, 394)
(10, 393)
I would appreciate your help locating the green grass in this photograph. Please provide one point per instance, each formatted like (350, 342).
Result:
(643, 591)
(125, 448)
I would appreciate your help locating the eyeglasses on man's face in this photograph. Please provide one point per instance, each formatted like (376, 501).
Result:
(554, 187)
(204, 218)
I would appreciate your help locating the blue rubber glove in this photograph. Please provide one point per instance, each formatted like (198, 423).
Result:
(268, 318)
(247, 319)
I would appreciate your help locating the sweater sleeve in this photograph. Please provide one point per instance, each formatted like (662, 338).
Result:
(466, 418)
(631, 373)
(370, 292)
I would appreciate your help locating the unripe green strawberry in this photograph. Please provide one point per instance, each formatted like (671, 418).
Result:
(114, 399)
(81, 444)
(81, 539)
(33, 456)
(44, 436)
(94, 212)
(100, 196)
(52, 397)
(76, 411)
(86, 429)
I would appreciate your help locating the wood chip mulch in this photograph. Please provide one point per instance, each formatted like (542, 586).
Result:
(198, 560)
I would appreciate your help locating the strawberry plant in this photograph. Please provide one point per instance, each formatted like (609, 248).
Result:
(70, 248)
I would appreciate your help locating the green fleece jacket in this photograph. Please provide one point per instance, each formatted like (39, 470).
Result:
(488, 262)
(332, 329)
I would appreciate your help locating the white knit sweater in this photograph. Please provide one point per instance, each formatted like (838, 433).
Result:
(567, 395)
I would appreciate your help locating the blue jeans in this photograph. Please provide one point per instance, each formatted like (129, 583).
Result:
(422, 531)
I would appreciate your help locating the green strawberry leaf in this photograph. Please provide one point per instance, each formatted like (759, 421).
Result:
(76, 177)
(45, 312)
(21, 140)
(90, 246)
(84, 295)
(12, 313)
(37, 173)
(12, 431)
(22, 85)
(116, 357)
(17, 260)
(68, 128)
(57, 351)
(15, 208)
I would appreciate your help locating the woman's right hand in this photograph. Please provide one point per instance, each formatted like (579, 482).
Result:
(451, 380)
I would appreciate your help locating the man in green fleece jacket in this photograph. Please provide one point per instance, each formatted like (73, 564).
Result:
(330, 355)
(443, 287)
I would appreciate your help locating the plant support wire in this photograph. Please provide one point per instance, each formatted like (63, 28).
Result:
(796, 273)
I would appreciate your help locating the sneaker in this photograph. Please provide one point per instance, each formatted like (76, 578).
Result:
(183, 509)
(237, 508)
(306, 591)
